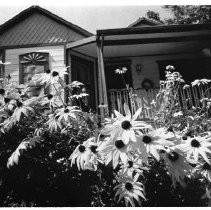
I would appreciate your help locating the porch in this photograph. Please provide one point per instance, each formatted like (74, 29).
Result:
(145, 51)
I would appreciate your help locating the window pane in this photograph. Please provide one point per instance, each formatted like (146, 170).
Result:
(30, 70)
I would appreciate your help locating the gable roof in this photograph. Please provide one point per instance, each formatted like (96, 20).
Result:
(36, 25)
(140, 22)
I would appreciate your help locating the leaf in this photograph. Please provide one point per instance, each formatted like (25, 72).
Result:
(28, 143)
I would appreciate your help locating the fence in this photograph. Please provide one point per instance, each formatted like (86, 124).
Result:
(186, 98)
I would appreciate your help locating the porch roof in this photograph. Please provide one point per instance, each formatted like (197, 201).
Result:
(146, 41)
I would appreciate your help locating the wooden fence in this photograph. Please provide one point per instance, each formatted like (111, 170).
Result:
(186, 98)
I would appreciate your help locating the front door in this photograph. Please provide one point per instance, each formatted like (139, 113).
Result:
(83, 71)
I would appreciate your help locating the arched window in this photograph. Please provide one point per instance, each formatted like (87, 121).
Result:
(31, 64)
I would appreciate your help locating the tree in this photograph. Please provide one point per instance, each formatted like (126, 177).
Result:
(189, 14)
(153, 15)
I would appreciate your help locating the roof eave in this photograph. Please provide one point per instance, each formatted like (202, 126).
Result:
(154, 29)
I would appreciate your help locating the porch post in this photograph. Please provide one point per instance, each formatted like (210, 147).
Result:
(103, 100)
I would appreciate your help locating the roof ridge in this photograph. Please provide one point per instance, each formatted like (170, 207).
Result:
(55, 17)
(155, 22)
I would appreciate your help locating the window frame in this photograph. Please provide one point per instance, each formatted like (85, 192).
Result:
(34, 61)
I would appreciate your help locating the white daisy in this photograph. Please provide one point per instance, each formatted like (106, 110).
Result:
(67, 113)
(22, 108)
(122, 70)
(53, 123)
(129, 189)
(83, 156)
(133, 165)
(197, 146)
(125, 127)
(114, 150)
(155, 140)
(177, 165)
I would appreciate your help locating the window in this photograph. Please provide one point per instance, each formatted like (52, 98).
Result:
(31, 64)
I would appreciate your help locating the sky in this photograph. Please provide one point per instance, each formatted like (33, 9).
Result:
(89, 17)
(95, 14)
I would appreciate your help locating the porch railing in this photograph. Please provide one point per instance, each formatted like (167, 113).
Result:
(143, 98)
(187, 97)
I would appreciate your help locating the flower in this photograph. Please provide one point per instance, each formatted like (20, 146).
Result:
(48, 99)
(67, 113)
(133, 165)
(129, 189)
(196, 146)
(178, 114)
(53, 123)
(200, 82)
(170, 67)
(114, 150)
(5, 63)
(177, 165)
(22, 108)
(204, 168)
(84, 155)
(122, 70)
(50, 76)
(125, 127)
(155, 140)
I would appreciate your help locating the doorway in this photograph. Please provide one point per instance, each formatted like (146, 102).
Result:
(83, 71)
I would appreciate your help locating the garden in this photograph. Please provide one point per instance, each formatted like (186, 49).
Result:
(56, 154)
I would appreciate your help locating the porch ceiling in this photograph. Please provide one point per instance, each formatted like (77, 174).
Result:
(145, 44)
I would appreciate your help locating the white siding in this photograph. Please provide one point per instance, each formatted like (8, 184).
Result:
(56, 59)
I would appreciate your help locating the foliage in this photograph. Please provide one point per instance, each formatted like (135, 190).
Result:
(55, 154)
(153, 15)
(189, 14)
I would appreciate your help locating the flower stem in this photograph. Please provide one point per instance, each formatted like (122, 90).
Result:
(59, 95)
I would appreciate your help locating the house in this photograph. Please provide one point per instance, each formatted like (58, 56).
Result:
(34, 41)
(145, 52)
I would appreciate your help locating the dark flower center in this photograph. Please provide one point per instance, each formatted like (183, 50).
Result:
(2, 91)
(173, 156)
(119, 144)
(57, 117)
(55, 73)
(126, 125)
(128, 186)
(162, 151)
(195, 143)
(184, 137)
(6, 100)
(93, 148)
(130, 164)
(49, 96)
(48, 71)
(170, 129)
(206, 166)
(147, 139)
(19, 104)
(81, 148)
(66, 111)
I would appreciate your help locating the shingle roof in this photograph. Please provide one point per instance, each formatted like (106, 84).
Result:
(144, 21)
(36, 25)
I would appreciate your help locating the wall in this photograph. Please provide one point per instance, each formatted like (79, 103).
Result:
(56, 59)
(150, 68)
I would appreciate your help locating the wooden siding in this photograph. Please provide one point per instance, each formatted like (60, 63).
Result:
(56, 59)
(38, 29)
